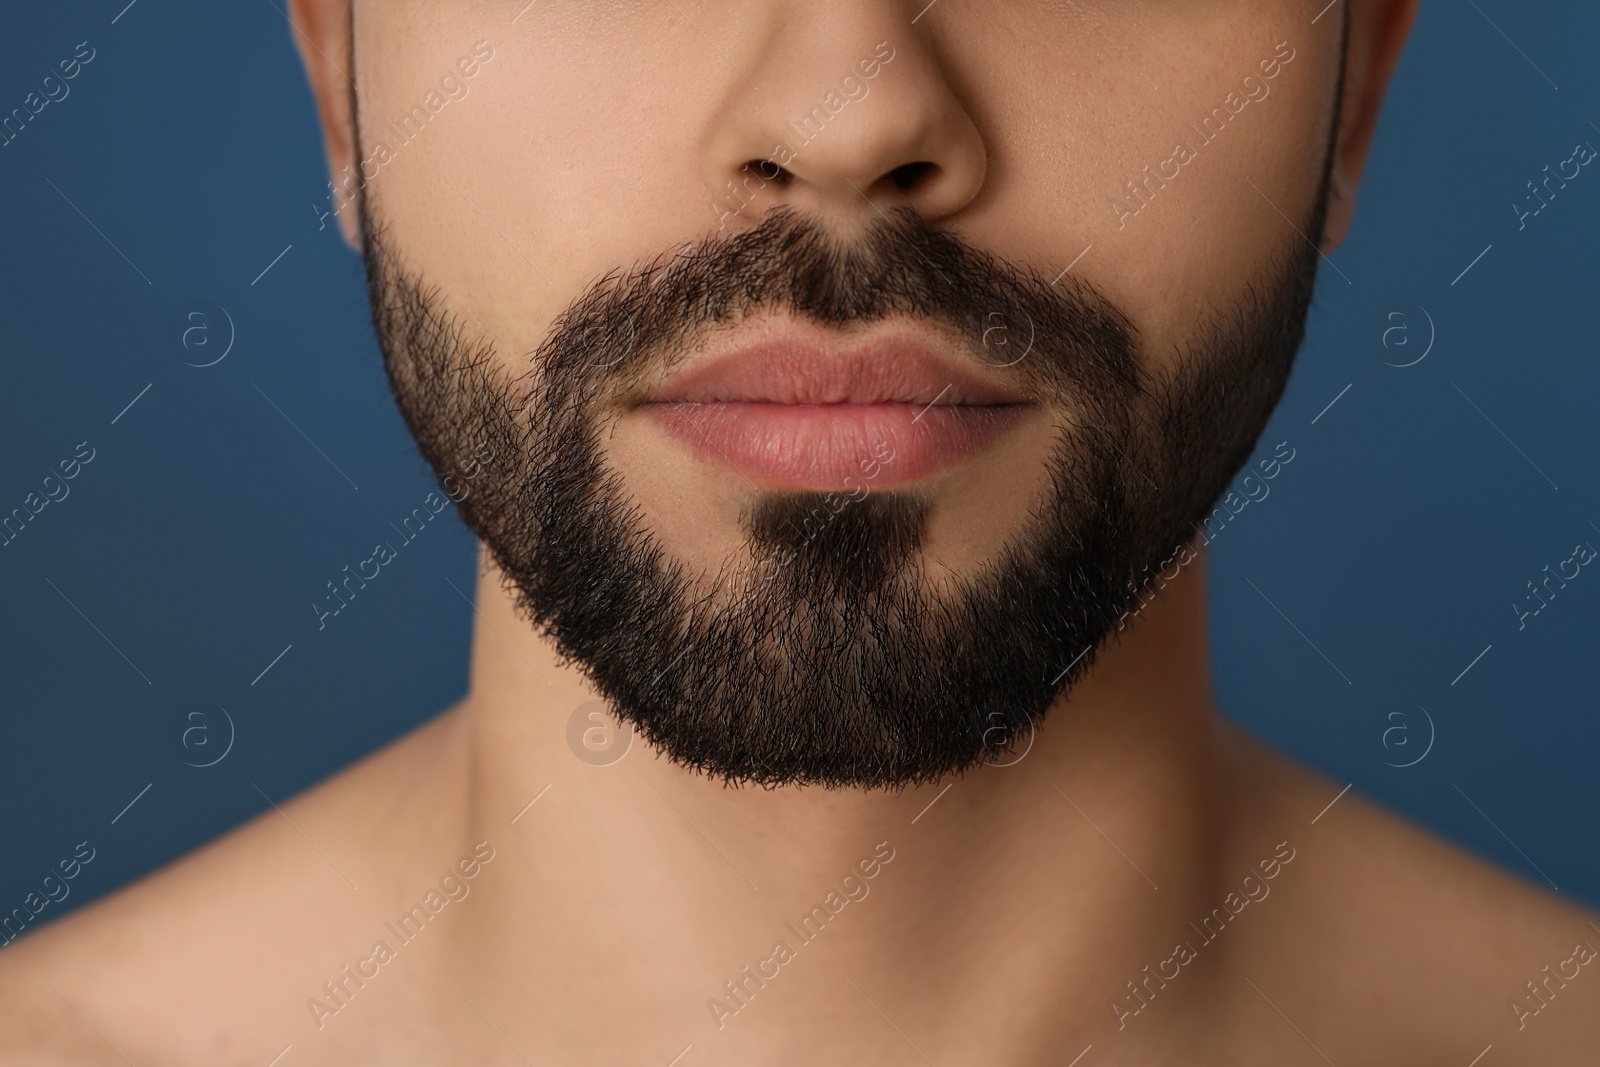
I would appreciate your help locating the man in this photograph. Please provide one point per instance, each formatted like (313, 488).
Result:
(839, 391)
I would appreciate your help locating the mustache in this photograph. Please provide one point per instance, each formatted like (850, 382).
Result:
(1053, 336)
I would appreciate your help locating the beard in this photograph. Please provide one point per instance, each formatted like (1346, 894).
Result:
(821, 651)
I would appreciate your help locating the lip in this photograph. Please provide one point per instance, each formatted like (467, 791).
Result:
(821, 413)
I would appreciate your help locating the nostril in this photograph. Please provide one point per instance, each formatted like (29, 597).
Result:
(769, 170)
(909, 175)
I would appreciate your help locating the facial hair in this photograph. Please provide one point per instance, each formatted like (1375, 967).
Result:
(821, 652)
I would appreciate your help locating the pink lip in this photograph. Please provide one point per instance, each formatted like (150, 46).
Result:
(825, 416)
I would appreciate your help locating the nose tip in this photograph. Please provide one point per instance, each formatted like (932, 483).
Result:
(889, 132)
(933, 163)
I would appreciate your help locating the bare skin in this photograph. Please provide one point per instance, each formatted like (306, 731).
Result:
(1007, 923)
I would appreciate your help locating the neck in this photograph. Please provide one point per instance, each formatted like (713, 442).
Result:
(652, 907)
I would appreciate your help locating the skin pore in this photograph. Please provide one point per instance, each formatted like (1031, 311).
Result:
(1015, 912)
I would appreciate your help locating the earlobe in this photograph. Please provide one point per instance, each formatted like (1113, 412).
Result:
(322, 34)
(1376, 35)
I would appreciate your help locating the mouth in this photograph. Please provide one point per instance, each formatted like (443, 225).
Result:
(816, 412)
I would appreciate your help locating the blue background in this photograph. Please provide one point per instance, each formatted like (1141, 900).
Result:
(1386, 557)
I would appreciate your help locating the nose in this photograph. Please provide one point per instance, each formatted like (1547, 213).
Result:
(846, 111)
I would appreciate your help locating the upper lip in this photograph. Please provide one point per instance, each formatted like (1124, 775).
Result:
(805, 367)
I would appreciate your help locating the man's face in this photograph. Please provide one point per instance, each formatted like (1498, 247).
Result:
(844, 376)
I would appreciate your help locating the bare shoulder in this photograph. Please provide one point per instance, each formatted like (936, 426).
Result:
(1394, 945)
(211, 958)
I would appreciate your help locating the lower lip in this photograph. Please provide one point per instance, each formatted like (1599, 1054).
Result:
(819, 446)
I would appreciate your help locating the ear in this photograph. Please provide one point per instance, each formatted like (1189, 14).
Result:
(1377, 32)
(322, 33)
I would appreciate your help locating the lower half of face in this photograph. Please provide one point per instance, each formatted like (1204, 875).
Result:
(848, 494)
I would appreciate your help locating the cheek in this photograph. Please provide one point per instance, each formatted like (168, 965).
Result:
(562, 169)
(1243, 201)
(1199, 238)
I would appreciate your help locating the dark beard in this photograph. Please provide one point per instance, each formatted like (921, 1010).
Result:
(821, 652)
